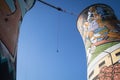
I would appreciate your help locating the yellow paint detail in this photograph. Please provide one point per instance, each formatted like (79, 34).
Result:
(114, 57)
(108, 62)
(114, 35)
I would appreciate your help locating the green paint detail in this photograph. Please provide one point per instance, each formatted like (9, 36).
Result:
(3, 60)
(22, 7)
(11, 5)
(101, 48)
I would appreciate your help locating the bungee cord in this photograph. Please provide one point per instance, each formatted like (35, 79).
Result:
(61, 10)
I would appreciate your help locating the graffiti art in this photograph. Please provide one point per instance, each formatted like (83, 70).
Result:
(100, 30)
(11, 14)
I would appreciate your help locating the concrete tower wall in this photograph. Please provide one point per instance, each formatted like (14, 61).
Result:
(100, 30)
(11, 14)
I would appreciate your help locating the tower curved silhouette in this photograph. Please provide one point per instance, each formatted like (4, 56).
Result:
(100, 31)
(11, 14)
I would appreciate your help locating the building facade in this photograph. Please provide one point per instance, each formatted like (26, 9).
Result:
(11, 15)
(100, 30)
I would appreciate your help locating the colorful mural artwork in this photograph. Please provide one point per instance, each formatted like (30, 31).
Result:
(100, 30)
(11, 14)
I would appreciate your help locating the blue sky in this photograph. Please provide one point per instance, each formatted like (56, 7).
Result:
(42, 30)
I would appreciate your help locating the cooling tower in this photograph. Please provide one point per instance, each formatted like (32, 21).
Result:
(11, 15)
(100, 31)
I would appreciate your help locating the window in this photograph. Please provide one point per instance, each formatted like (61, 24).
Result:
(91, 74)
(117, 54)
(102, 63)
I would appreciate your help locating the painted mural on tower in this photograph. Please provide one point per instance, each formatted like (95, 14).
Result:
(11, 15)
(100, 30)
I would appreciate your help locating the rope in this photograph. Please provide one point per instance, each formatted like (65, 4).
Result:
(58, 9)
(58, 30)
